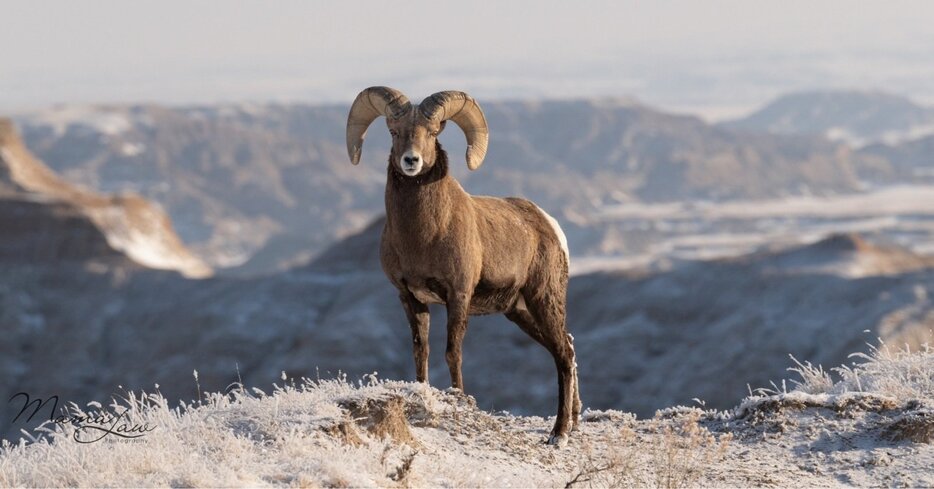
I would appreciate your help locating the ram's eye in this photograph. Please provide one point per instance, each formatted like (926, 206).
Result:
(434, 134)
(393, 133)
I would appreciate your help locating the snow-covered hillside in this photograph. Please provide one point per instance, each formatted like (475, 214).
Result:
(875, 426)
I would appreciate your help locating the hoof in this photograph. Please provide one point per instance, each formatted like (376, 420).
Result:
(558, 441)
(454, 391)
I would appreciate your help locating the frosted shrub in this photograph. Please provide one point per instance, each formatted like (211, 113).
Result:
(898, 373)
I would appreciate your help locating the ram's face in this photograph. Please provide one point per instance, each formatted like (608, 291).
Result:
(413, 142)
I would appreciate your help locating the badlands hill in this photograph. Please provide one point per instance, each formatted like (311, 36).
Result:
(856, 117)
(68, 257)
(911, 161)
(47, 218)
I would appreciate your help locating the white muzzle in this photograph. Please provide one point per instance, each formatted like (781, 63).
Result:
(411, 163)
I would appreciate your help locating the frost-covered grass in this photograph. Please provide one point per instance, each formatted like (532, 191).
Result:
(372, 433)
(899, 373)
(238, 439)
(885, 377)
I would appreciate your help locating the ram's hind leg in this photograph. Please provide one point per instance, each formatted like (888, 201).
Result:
(576, 399)
(417, 314)
(543, 320)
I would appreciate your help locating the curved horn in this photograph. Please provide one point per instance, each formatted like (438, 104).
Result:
(370, 104)
(464, 111)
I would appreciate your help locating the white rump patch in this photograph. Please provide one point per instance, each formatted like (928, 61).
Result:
(558, 232)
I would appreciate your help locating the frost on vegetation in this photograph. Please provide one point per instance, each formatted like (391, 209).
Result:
(307, 432)
(898, 373)
(884, 378)
(593, 416)
(374, 433)
(371, 433)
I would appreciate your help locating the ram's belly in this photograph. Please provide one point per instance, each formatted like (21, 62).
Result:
(484, 301)
(489, 301)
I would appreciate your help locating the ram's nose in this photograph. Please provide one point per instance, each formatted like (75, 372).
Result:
(411, 163)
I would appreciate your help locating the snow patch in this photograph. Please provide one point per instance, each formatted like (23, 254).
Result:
(132, 149)
(60, 119)
(890, 137)
(145, 240)
(903, 214)
(911, 134)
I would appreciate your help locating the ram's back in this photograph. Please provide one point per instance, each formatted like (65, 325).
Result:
(515, 233)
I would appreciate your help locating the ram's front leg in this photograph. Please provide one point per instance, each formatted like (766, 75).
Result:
(458, 305)
(417, 314)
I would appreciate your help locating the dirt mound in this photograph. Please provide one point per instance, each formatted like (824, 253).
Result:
(843, 242)
(769, 406)
(345, 431)
(915, 425)
(849, 255)
(382, 417)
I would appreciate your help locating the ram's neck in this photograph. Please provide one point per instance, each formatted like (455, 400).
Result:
(420, 207)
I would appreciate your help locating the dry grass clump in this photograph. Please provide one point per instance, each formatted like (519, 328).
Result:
(683, 453)
(675, 453)
(607, 468)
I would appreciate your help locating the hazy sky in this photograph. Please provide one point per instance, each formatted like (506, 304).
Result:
(715, 57)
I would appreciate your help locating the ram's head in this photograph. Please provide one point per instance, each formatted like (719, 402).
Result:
(415, 128)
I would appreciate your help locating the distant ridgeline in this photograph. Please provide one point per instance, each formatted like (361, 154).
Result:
(260, 188)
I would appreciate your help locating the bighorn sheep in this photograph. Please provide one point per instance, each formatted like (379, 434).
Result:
(476, 255)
